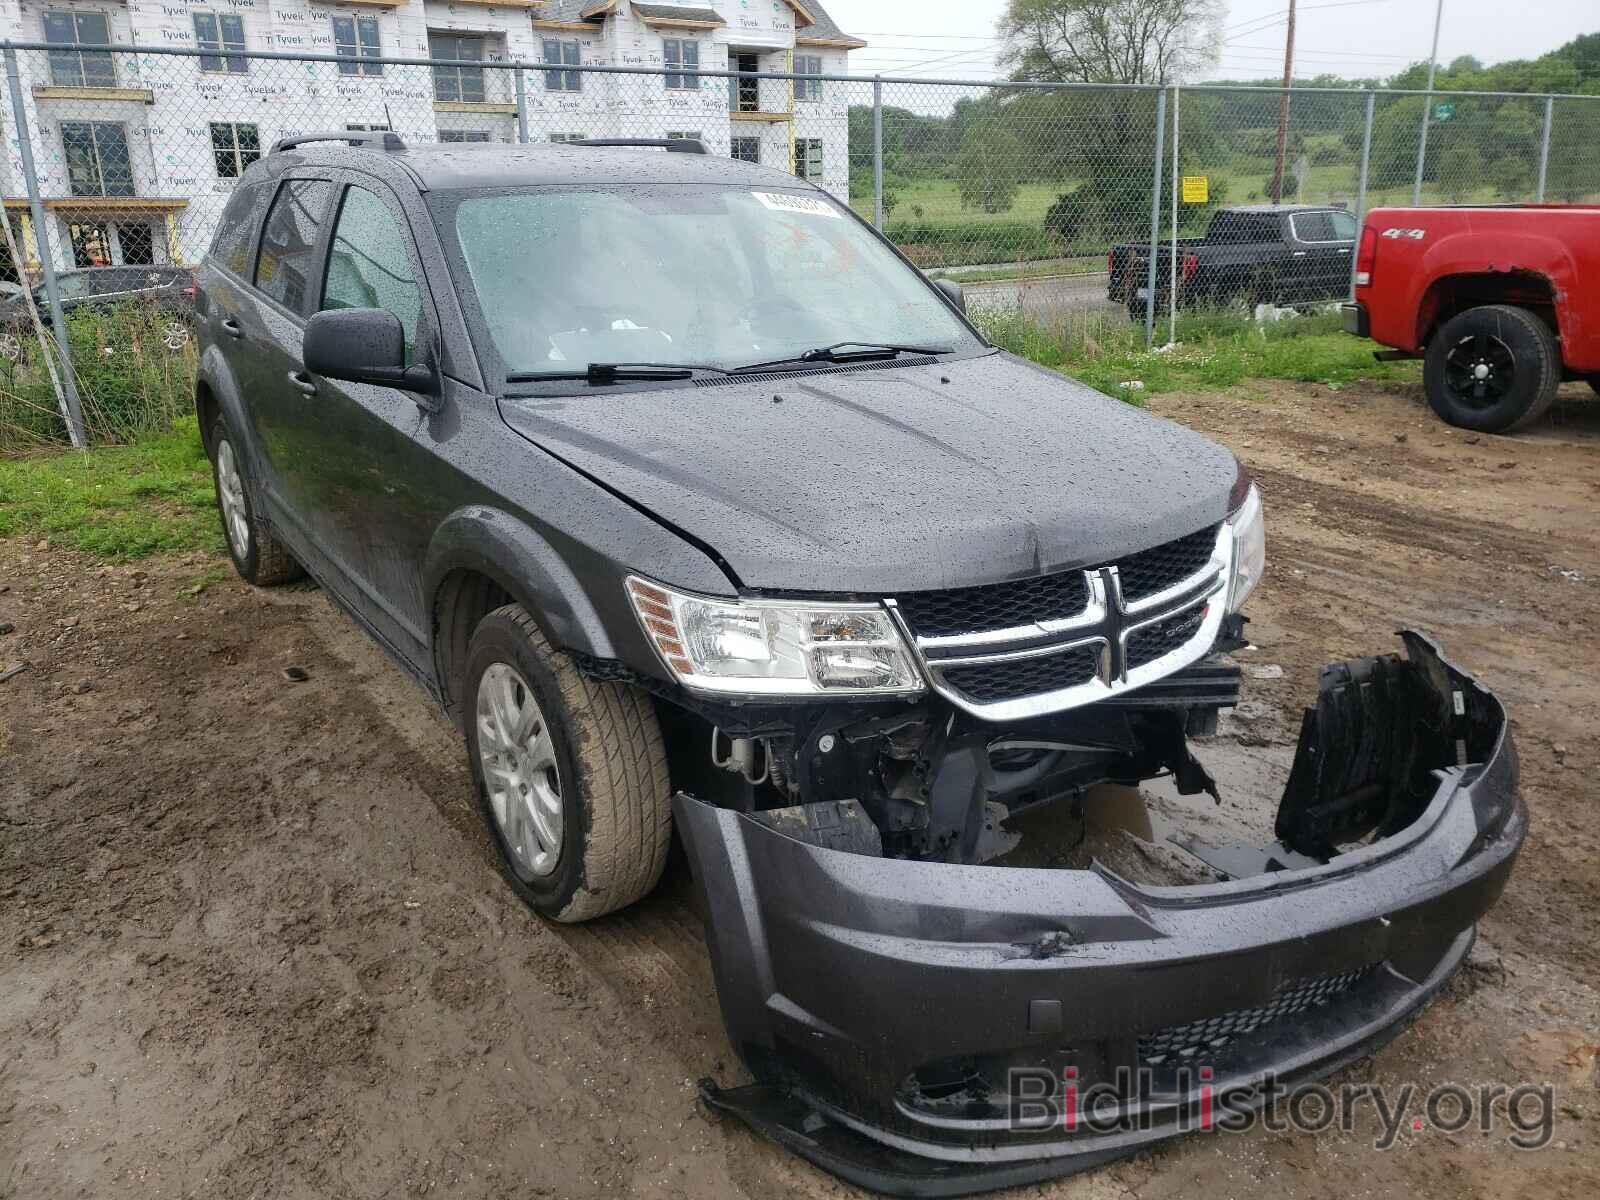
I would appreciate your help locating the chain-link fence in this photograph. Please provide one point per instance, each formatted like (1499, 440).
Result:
(1054, 199)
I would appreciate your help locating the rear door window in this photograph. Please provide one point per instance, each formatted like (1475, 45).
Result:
(286, 264)
(1313, 227)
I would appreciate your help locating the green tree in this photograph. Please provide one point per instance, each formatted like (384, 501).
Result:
(1460, 169)
(1109, 41)
(989, 167)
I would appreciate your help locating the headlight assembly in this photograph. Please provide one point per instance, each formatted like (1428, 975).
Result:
(1249, 548)
(774, 647)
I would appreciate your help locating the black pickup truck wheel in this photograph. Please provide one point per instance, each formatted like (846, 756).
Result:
(1493, 369)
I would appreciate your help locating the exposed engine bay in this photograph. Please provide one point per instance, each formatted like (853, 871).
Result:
(927, 782)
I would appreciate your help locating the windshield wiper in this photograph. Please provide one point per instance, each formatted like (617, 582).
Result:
(600, 374)
(844, 352)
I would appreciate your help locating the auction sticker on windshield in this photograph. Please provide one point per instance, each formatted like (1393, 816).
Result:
(809, 205)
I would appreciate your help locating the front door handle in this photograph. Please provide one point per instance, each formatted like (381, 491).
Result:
(303, 382)
(230, 327)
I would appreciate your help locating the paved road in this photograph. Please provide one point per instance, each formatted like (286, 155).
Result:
(1044, 296)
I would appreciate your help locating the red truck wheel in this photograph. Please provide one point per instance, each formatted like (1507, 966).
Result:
(1493, 369)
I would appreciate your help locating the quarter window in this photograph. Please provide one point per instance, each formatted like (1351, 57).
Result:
(681, 56)
(236, 230)
(289, 241)
(559, 53)
(223, 34)
(97, 158)
(457, 84)
(370, 265)
(234, 147)
(808, 89)
(74, 67)
(355, 42)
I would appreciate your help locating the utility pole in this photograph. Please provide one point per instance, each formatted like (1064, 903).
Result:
(1283, 111)
(1427, 105)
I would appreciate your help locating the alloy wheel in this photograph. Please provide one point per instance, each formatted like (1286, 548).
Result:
(518, 758)
(230, 494)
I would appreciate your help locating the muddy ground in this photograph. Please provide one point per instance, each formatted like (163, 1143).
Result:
(252, 943)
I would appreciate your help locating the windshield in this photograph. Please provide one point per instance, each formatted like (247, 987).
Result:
(689, 275)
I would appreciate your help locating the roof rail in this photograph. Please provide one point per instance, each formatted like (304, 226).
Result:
(671, 145)
(376, 139)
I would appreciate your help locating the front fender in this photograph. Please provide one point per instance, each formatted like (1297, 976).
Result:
(497, 545)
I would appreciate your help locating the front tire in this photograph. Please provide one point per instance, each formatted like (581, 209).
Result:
(1492, 369)
(570, 773)
(258, 556)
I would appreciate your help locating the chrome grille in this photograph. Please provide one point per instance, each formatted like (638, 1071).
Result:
(989, 682)
(1150, 642)
(996, 605)
(1015, 650)
(1154, 570)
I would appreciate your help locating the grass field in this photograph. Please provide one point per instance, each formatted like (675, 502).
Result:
(117, 501)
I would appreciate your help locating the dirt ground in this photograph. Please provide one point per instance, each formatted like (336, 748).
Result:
(252, 943)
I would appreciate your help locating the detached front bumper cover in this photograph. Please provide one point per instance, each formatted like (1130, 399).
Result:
(883, 1005)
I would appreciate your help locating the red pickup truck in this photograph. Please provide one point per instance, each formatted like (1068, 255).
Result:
(1501, 304)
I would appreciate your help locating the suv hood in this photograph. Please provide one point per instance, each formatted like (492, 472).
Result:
(893, 479)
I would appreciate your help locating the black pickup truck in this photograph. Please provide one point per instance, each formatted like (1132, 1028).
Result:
(1292, 255)
(768, 551)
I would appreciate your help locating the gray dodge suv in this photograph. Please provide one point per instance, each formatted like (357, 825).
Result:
(709, 519)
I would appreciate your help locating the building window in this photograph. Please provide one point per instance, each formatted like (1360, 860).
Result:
(366, 129)
(223, 34)
(356, 39)
(808, 159)
(567, 137)
(79, 68)
(683, 135)
(97, 158)
(234, 147)
(747, 149)
(808, 89)
(137, 242)
(462, 85)
(559, 53)
(464, 135)
(681, 55)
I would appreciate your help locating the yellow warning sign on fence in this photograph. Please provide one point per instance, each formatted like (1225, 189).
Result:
(1196, 189)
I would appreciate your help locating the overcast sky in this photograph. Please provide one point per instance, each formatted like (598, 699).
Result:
(1349, 37)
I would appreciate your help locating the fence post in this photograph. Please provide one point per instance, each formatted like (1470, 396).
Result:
(1544, 144)
(1172, 298)
(1155, 219)
(877, 152)
(522, 108)
(1361, 185)
(72, 409)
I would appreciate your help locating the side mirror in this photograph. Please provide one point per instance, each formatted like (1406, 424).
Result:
(363, 345)
(952, 292)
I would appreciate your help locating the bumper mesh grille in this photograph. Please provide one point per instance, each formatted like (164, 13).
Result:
(1292, 999)
(995, 606)
(1150, 571)
(988, 683)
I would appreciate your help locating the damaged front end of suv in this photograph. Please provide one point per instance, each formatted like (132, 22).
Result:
(899, 970)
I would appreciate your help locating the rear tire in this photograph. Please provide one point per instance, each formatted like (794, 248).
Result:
(1493, 369)
(258, 556)
(570, 773)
